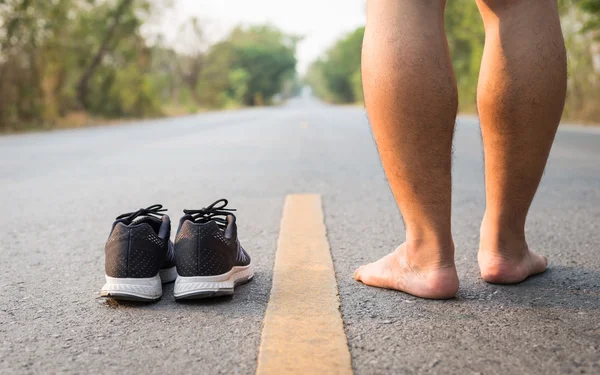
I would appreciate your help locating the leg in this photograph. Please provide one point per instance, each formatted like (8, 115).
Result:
(411, 99)
(520, 98)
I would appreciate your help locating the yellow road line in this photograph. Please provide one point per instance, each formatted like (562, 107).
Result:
(303, 332)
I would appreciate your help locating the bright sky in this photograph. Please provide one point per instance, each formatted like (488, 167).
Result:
(321, 22)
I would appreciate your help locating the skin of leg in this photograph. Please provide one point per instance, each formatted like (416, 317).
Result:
(411, 99)
(520, 98)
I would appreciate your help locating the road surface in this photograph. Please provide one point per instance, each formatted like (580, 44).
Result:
(61, 190)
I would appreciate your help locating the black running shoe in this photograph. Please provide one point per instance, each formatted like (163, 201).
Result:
(139, 255)
(210, 260)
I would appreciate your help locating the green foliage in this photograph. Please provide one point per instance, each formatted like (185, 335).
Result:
(583, 84)
(315, 78)
(239, 80)
(215, 77)
(466, 35)
(250, 66)
(336, 77)
(48, 47)
(593, 8)
(589, 7)
(88, 57)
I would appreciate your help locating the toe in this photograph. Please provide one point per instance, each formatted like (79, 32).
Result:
(358, 272)
(540, 264)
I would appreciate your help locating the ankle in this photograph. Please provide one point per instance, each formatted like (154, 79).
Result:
(431, 253)
(502, 238)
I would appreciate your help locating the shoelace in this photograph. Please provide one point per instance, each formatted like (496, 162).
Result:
(156, 210)
(215, 211)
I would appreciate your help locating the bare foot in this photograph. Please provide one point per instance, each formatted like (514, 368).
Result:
(500, 267)
(395, 271)
(504, 256)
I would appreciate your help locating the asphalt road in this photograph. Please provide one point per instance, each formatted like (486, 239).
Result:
(61, 190)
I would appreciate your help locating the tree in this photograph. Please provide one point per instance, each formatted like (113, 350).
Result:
(466, 36)
(336, 77)
(267, 56)
(191, 64)
(107, 40)
(249, 66)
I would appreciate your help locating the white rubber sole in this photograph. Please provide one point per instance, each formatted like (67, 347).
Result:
(134, 289)
(196, 287)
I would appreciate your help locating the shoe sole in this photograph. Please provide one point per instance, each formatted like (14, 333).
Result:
(138, 289)
(198, 287)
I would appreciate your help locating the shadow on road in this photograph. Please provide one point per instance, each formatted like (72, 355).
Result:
(572, 288)
(207, 301)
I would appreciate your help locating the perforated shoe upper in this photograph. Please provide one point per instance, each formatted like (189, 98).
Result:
(208, 247)
(139, 246)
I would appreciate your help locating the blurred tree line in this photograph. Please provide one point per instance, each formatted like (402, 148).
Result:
(335, 77)
(64, 60)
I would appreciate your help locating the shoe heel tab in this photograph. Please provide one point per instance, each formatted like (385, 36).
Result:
(231, 230)
(115, 224)
(165, 228)
(183, 219)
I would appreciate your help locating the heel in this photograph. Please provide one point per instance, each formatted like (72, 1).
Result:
(132, 289)
(195, 287)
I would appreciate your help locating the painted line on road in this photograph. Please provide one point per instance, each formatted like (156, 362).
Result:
(303, 331)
